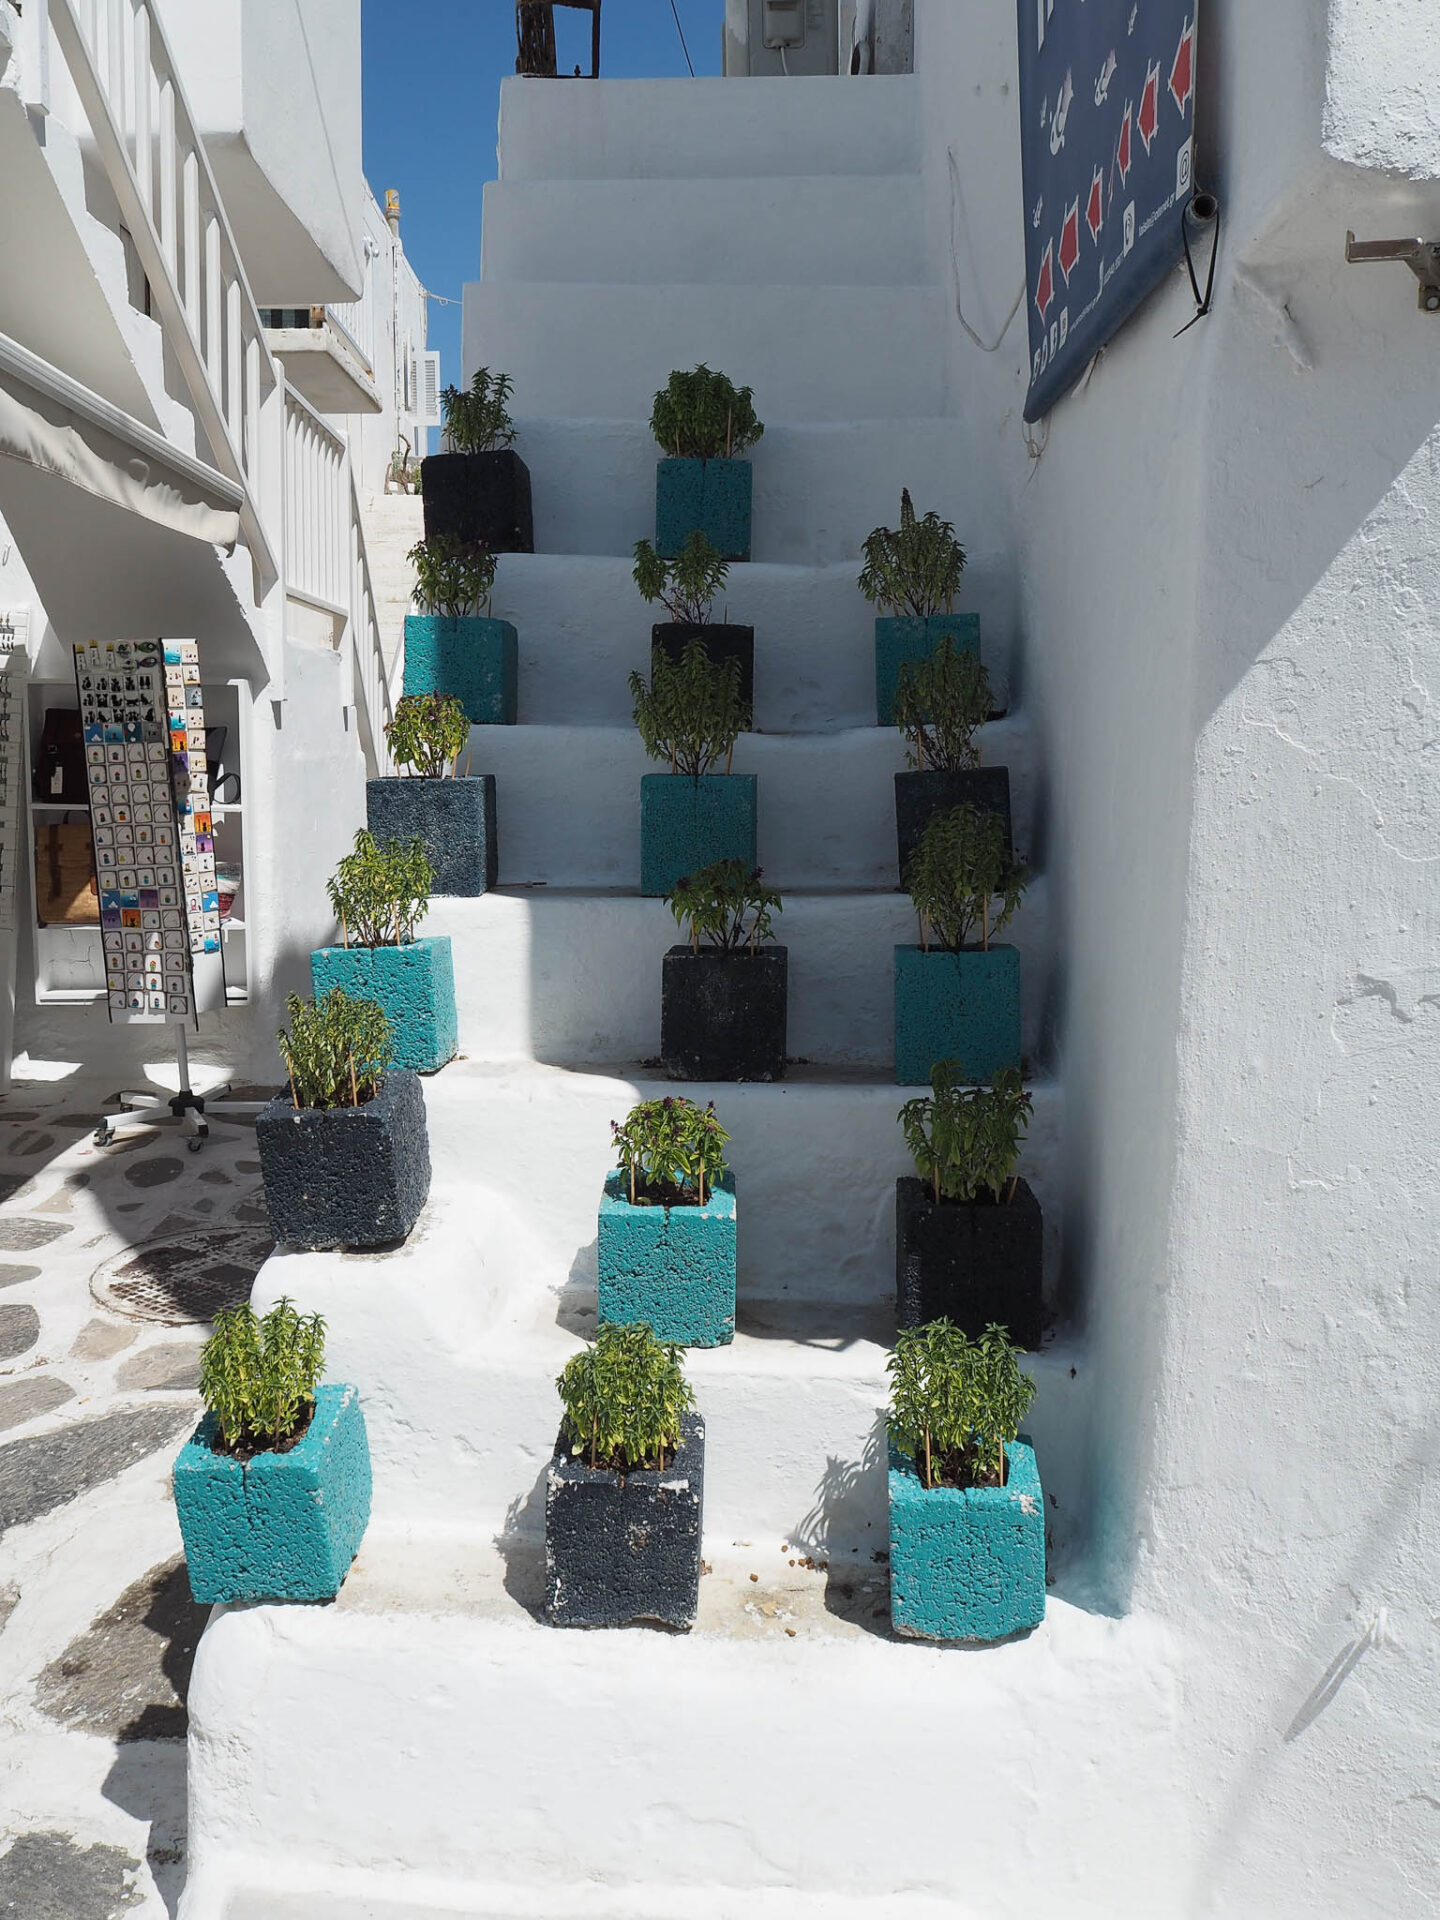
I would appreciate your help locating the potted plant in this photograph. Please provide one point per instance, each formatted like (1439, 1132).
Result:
(691, 716)
(344, 1153)
(723, 995)
(380, 892)
(912, 573)
(968, 1232)
(957, 994)
(967, 1515)
(272, 1490)
(453, 818)
(703, 422)
(940, 705)
(452, 645)
(666, 1240)
(686, 587)
(478, 491)
(625, 1491)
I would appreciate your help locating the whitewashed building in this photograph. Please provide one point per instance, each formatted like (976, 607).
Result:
(213, 350)
(1208, 582)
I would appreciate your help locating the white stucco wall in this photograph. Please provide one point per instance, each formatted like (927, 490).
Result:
(1229, 640)
(275, 89)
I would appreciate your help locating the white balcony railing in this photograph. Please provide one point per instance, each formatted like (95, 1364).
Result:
(156, 163)
(326, 564)
(300, 517)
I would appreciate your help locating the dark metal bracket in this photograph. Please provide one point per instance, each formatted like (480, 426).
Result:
(1422, 257)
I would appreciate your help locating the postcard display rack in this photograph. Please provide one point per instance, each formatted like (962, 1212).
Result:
(143, 721)
(14, 674)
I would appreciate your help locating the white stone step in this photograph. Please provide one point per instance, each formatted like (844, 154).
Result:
(426, 1746)
(594, 350)
(455, 1339)
(568, 802)
(819, 490)
(573, 978)
(584, 628)
(835, 230)
(708, 129)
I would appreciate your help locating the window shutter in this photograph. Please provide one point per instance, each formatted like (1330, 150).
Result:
(428, 399)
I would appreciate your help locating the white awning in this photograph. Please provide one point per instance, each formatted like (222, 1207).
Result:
(121, 533)
(51, 423)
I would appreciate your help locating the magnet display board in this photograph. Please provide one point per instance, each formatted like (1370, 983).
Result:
(1107, 118)
(140, 710)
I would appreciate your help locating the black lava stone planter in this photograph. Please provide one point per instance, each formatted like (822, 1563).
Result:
(346, 1176)
(455, 819)
(722, 1015)
(480, 498)
(672, 637)
(978, 1264)
(919, 796)
(623, 1547)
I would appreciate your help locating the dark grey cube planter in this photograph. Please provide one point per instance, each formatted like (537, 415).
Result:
(722, 1015)
(455, 819)
(920, 796)
(480, 498)
(623, 1547)
(346, 1176)
(978, 1264)
(706, 496)
(721, 641)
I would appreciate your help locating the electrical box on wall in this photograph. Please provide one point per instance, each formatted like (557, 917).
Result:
(782, 36)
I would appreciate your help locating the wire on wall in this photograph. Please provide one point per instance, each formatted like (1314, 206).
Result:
(985, 346)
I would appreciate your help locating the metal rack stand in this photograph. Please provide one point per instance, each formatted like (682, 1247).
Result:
(186, 1107)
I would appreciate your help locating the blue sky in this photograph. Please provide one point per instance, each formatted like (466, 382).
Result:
(432, 96)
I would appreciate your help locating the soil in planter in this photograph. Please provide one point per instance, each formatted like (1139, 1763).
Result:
(721, 642)
(958, 1470)
(723, 1015)
(245, 1453)
(919, 796)
(656, 1193)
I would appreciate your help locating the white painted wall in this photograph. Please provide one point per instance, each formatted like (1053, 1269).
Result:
(1231, 649)
(275, 88)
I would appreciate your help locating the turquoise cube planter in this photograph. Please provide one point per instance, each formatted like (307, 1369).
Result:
(416, 987)
(956, 1006)
(967, 1565)
(282, 1526)
(685, 824)
(476, 660)
(672, 1267)
(711, 496)
(898, 639)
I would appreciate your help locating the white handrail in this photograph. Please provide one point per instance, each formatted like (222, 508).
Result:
(156, 163)
(326, 563)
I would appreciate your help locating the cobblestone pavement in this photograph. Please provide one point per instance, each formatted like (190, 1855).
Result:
(97, 1626)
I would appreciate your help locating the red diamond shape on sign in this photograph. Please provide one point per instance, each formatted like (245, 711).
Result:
(1182, 73)
(1045, 284)
(1070, 241)
(1122, 152)
(1095, 205)
(1148, 119)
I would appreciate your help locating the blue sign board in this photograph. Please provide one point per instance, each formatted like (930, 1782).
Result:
(1107, 113)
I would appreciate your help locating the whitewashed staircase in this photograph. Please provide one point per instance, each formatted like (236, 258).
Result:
(426, 1746)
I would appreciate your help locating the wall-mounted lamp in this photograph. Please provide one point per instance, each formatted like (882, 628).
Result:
(1421, 256)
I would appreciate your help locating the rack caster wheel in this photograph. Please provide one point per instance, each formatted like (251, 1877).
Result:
(102, 1136)
(198, 1142)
